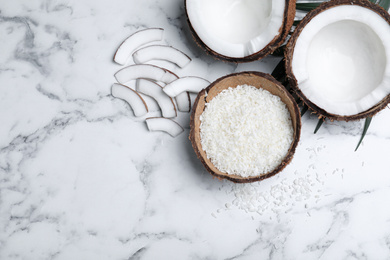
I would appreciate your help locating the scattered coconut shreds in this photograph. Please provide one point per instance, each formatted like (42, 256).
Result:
(152, 89)
(161, 52)
(147, 71)
(190, 84)
(131, 97)
(246, 131)
(183, 102)
(165, 125)
(136, 40)
(252, 198)
(301, 190)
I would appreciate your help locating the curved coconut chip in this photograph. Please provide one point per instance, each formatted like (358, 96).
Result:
(152, 89)
(165, 125)
(190, 84)
(290, 50)
(131, 97)
(256, 79)
(161, 52)
(183, 101)
(137, 39)
(149, 101)
(146, 71)
(288, 20)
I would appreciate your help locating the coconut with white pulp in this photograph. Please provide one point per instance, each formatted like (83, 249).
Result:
(240, 30)
(339, 59)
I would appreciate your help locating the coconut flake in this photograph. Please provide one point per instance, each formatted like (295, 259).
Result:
(136, 40)
(190, 84)
(164, 124)
(155, 91)
(131, 97)
(150, 102)
(161, 52)
(147, 71)
(183, 102)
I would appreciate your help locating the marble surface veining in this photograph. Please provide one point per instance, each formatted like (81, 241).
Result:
(82, 178)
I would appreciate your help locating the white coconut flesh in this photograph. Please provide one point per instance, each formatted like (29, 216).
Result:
(155, 91)
(131, 97)
(190, 84)
(236, 28)
(150, 102)
(136, 40)
(183, 101)
(165, 125)
(161, 52)
(147, 71)
(341, 60)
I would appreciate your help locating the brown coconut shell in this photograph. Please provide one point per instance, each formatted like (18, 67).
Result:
(258, 80)
(288, 20)
(290, 53)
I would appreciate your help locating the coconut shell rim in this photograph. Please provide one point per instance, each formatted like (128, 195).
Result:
(289, 53)
(278, 40)
(235, 178)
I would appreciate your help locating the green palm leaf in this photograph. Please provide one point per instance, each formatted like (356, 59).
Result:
(304, 109)
(296, 22)
(319, 124)
(366, 126)
(279, 73)
(383, 3)
(279, 52)
(307, 5)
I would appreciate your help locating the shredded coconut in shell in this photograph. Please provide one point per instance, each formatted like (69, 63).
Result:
(246, 131)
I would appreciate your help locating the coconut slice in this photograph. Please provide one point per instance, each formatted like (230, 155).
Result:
(240, 31)
(164, 124)
(146, 71)
(161, 52)
(183, 102)
(338, 59)
(150, 102)
(190, 84)
(136, 40)
(131, 97)
(155, 91)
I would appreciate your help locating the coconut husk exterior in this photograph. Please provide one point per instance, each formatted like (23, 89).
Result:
(288, 20)
(290, 53)
(258, 80)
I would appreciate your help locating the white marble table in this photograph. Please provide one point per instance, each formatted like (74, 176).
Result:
(81, 178)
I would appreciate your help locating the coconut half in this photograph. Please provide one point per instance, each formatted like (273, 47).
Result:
(338, 59)
(258, 80)
(240, 30)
